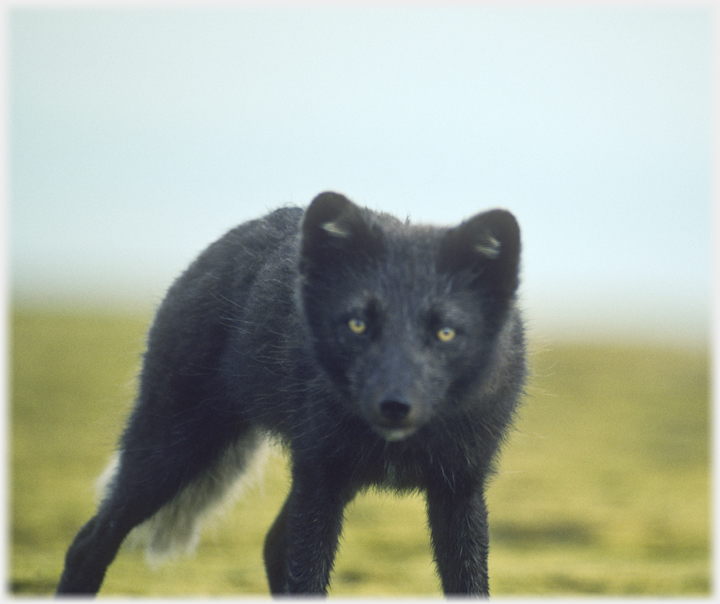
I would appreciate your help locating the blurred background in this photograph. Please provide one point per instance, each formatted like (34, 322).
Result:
(136, 137)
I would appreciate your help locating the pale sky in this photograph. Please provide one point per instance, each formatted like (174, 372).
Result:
(137, 137)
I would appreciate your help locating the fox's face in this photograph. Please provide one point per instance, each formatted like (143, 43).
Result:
(404, 318)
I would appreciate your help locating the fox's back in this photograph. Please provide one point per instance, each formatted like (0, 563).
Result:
(212, 302)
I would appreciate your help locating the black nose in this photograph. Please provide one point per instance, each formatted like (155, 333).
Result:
(394, 410)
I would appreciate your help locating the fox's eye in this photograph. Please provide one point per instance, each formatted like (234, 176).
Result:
(357, 326)
(445, 334)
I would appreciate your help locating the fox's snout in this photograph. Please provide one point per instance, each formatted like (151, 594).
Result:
(393, 391)
(395, 417)
(395, 410)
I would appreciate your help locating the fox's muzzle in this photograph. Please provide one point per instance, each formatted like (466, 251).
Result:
(396, 417)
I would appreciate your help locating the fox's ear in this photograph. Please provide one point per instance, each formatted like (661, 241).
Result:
(487, 245)
(332, 224)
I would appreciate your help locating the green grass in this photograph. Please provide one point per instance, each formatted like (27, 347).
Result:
(603, 486)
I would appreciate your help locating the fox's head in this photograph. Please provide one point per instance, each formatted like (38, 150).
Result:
(406, 319)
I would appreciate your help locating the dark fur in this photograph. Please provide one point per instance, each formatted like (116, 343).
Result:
(253, 338)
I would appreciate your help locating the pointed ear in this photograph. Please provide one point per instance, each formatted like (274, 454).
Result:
(488, 247)
(332, 226)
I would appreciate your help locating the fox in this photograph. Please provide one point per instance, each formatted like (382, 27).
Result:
(381, 353)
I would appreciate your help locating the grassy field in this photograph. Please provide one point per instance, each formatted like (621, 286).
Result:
(603, 488)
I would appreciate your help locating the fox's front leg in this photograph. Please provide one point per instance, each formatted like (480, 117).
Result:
(459, 529)
(300, 548)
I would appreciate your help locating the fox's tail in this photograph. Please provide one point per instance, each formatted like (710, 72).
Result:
(175, 528)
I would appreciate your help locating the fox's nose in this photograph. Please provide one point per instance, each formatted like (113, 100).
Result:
(396, 417)
(395, 410)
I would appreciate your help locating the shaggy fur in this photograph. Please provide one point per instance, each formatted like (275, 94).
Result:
(381, 353)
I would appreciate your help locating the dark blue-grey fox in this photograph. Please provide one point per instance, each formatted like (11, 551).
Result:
(381, 353)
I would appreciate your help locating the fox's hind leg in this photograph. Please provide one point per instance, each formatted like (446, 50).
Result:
(88, 557)
(170, 482)
(97, 543)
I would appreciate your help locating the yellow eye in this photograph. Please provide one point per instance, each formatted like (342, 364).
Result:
(357, 326)
(445, 334)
